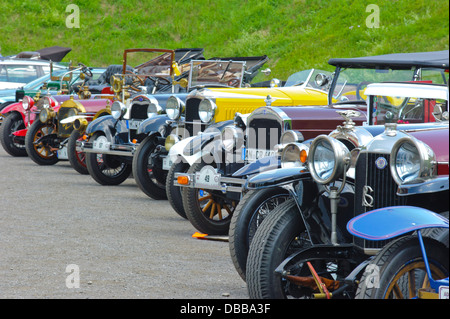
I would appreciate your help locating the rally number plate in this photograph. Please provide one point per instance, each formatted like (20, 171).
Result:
(207, 178)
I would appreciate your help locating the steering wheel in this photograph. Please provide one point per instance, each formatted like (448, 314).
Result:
(137, 80)
(409, 108)
(159, 79)
(85, 69)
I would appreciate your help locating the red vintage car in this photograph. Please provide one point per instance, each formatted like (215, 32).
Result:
(18, 116)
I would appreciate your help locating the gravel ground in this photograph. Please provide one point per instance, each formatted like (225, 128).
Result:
(124, 244)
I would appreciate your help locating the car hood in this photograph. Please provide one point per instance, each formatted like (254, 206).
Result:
(283, 96)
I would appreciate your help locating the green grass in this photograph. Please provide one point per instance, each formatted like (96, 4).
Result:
(295, 34)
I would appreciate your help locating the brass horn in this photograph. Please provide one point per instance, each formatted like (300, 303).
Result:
(80, 124)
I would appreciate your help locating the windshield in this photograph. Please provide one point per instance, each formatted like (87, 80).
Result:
(216, 73)
(351, 83)
(404, 110)
(307, 78)
(36, 83)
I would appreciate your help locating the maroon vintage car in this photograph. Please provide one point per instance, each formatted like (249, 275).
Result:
(212, 186)
(405, 165)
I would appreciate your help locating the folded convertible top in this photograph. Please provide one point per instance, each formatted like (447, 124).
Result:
(433, 59)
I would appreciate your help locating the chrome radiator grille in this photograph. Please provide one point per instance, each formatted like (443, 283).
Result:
(191, 117)
(374, 185)
(263, 133)
(138, 110)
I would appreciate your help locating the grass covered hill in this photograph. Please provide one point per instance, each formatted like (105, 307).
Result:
(295, 34)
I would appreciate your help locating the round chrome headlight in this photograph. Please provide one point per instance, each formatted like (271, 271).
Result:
(411, 160)
(27, 103)
(46, 115)
(43, 115)
(153, 109)
(207, 110)
(294, 155)
(232, 138)
(291, 136)
(328, 159)
(48, 102)
(174, 108)
(118, 109)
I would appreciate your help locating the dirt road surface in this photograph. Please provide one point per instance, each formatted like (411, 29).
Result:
(62, 235)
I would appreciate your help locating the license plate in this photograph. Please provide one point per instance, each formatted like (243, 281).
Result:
(167, 163)
(443, 292)
(253, 154)
(62, 153)
(207, 178)
(133, 124)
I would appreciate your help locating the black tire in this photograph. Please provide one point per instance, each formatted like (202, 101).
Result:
(200, 207)
(247, 217)
(12, 123)
(106, 169)
(40, 153)
(77, 159)
(273, 242)
(395, 262)
(174, 192)
(150, 178)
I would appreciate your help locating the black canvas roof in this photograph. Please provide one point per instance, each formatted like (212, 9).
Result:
(434, 59)
(55, 53)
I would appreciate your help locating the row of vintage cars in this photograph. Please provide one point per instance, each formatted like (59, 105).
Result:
(305, 155)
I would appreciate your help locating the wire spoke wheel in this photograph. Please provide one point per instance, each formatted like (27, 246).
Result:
(107, 169)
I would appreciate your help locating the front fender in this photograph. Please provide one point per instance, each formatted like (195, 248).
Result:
(259, 166)
(433, 185)
(389, 222)
(152, 124)
(278, 177)
(108, 125)
(13, 107)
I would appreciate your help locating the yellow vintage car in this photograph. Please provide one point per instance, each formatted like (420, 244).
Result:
(214, 105)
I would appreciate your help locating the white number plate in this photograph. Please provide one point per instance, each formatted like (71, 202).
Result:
(253, 154)
(207, 177)
(62, 153)
(443, 292)
(133, 124)
(167, 163)
(101, 144)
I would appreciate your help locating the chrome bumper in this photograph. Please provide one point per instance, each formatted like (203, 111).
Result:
(221, 183)
(110, 149)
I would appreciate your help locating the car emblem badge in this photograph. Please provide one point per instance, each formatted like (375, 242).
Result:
(367, 200)
(381, 162)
